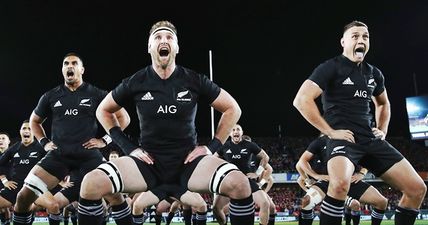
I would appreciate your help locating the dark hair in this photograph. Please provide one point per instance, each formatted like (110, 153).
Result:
(163, 23)
(354, 23)
(114, 152)
(4, 133)
(26, 121)
(73, 54)
(246, 137)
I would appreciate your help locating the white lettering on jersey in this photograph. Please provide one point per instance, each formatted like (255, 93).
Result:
(236, 156)
(71, 112)
(360, 93)
(24, 161)
(167, 109)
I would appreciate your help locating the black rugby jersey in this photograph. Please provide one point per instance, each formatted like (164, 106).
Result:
(254, 163)
(4, 168)
(22, 159)
(319, 160)
(166, 108)
(73, 114)
(239, 154)
(347, 91)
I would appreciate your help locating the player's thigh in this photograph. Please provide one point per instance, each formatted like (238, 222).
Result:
(201, 176)
(403, 177)
(130, 174)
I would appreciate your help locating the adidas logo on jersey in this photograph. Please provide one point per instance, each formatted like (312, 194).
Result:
(147, 97)
(348, 81)
(57, 104)
(229, 151)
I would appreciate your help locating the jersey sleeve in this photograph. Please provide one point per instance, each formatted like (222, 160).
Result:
(209, 89)
(322, 74)
(43, 106)
(101, 94)
(6, 157)
(380, 82)
(255, 148)
(122, 92)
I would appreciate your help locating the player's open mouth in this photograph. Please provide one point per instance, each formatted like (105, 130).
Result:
(70, 73)
(26, 136)
(163, 52)
(360, 51)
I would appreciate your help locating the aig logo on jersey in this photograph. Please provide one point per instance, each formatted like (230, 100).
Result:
(360, 93)
(184, 96)
(71, 112)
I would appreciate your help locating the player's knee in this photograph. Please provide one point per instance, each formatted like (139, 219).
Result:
(137, 209)
(416, 190)
(53, 207)
(313, 198)
(261, 200)
(200, 206)
(340, 186)
(238, 186)
(217, 210)
(93, 185)
(305, 200)
(382, 203)
(272, 208)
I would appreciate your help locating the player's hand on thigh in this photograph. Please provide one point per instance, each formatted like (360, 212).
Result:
(11, 185)
(94, 143)
(378, 133)
(198, 151)
(142, 155)
(346, 135)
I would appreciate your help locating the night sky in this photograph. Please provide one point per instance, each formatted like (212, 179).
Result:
(262, 52)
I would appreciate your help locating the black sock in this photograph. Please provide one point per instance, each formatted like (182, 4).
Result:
(73, 219)
(22, 218)
(201, 218)
(90, 212)
(193, 219)
(158, 219)
(169, 218)
(241, 211)
(55, 219)
(348, 218)
(331, 211)
(377, 216)
(272, 219)
(356, 219)
(3, 218)
(187, 216)
(405, 216)
(121, 214)
(306, 217)
(66, 220)
(138, 219)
